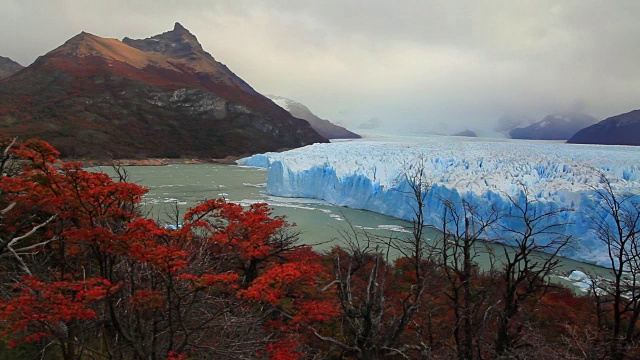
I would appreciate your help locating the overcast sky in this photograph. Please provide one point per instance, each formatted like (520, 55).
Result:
(430, 65)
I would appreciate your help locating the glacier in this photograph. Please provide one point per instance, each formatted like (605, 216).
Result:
(371, 175)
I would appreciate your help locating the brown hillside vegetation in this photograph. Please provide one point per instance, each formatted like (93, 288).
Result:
(101, 98)
(84, 276)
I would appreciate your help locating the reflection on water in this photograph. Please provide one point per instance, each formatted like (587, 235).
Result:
(320, 223)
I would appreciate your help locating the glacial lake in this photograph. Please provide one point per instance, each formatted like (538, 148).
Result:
(320, 224)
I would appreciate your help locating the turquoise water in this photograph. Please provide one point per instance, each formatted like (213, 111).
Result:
(183, 186)
(319, 223)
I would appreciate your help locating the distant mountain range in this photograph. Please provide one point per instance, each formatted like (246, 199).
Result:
(322, 126)
(554, 127)
(508, 122)
(621, 129)
(165, 96)
(466, 133)
(158, 97)
(8, 67)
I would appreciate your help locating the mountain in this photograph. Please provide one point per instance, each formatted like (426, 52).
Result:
(8, 67)
(322, 126)
(466, 132)
(554, 127)
(158, 97)
(621, 129)
(509, 121)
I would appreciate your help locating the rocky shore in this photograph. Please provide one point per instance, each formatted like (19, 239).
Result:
(230, 160)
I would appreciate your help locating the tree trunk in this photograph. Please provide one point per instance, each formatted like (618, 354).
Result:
(370, 354)
(468, 331)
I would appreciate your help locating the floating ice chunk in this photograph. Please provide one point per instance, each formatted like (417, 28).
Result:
(395, 228)
(577, 275)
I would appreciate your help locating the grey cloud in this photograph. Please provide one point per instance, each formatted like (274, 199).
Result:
(427, 63)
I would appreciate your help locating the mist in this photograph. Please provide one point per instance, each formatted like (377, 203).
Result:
(420, 66)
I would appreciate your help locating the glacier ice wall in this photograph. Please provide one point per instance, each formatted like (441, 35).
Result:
(371, 175)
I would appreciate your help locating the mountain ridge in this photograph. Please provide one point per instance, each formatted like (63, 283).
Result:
(8, 67)
(99, 97)
(324, 127)
(622, 129)
(466, 133)
(559, 126)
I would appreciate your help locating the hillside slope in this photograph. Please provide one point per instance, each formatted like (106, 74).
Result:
(324, 127)
(554, 127)
(8, 67)
(623, 129)
(99, 98)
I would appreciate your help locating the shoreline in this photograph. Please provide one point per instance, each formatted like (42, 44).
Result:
(229, 160)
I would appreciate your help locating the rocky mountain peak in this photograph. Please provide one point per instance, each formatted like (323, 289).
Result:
(558, 126)
(324, 127)
(85, 47)
(179, 46)
(86, 44)
(178, 27)
(177, 43)
(73, 44)
(8, 67)
(162, 96)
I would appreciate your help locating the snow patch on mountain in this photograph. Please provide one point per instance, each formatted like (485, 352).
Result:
(280, 101)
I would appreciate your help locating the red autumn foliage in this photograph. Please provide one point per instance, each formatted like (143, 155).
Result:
(172, 355)
(245, 232)
(285, 349)
(80, 266)
(102, 264)
(38, 308)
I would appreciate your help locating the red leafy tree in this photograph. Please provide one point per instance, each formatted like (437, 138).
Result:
(85, 275)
